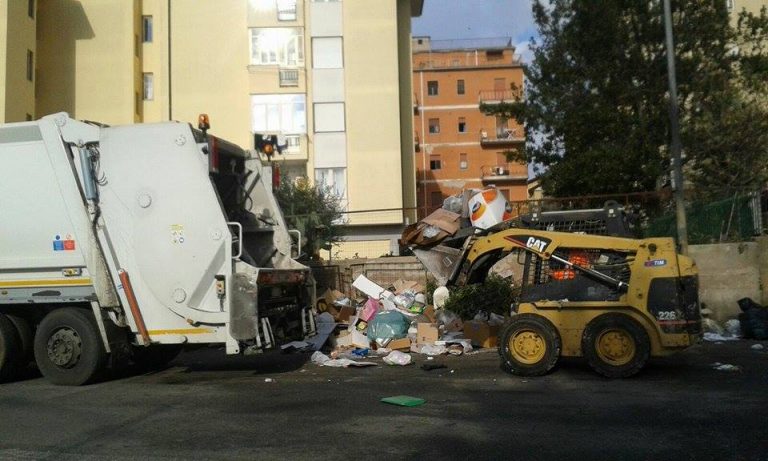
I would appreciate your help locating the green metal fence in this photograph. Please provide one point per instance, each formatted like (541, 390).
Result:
(731, 220)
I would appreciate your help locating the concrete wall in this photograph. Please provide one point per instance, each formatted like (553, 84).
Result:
(729, 272)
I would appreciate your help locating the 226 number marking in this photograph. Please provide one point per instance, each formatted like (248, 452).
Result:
(667, 315)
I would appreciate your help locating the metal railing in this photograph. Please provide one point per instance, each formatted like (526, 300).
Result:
(289, 77)
(487, 96)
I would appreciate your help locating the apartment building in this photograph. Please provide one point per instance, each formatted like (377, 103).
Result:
(331, 76)
(457, 146)
(17, 60)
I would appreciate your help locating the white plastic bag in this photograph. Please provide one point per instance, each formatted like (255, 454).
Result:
(397, 358)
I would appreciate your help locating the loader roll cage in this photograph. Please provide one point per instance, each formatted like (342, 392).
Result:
(556, 265)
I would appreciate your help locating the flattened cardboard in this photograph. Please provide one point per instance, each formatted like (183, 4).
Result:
(427, 333)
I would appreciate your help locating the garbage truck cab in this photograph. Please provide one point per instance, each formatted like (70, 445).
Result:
(138, 238)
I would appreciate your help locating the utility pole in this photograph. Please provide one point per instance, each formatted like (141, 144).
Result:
(675, 147)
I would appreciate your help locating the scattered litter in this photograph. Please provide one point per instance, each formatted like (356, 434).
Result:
(397, 358)
(388, 325)
(432, 366)
(754, 319)
(711, 326)
(430, 350)
(733, 327)
(269, 380)
(725, 367)
(757, 347)
(440, 296)
(323, 360)
(717, 337)
(404, 401)
(295, 346)
(430, 358)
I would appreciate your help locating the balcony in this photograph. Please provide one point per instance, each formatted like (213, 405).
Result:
(498, 96)
(289, 77)
(501, 173)
(502, 137)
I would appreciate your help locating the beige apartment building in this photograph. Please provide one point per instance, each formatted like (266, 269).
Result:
(331, 76)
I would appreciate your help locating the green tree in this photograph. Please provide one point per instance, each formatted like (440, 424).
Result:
(596, 100)
(314, 211)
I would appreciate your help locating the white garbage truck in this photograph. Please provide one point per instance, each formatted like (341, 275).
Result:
(136, 240)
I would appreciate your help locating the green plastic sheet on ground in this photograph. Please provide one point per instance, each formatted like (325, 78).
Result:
(404, 401)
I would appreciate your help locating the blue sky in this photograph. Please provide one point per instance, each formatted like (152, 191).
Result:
(460, 19)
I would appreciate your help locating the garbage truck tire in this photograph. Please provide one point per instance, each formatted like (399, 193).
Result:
(68, 347)
(529, 345)
(10, 348)
(26, 339)
(615, 345)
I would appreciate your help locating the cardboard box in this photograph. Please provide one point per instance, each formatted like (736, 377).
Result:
(402, 344)
(345, 313)
(481, 334)
(427, 333)
(429, 312)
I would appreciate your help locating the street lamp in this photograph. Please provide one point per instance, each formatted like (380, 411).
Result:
(675, 147)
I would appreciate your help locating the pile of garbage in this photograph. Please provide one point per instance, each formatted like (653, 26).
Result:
(394, 322)
(754, 319)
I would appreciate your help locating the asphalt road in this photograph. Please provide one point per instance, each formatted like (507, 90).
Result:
(208, 406)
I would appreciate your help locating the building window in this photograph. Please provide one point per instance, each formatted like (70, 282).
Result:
(462, 125)
(30, 65)
(333, 180)
(434, 162)
(31, 8)
(329, 117)
(149, 86)
(436, 198)
(286, 10)
(434, 125)
(463, 162)
(277, 46)
(279, 113)
(432, 88)
(146, 29)
(327, 53)
(459, 86)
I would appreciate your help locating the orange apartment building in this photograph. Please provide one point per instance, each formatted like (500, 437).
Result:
(458, 147)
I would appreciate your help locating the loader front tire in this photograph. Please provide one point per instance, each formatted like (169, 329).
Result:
(68, 347)
(529, 345)
(615, 345)
(10, 348)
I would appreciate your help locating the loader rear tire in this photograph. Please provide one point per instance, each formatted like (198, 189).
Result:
(10, 349)
(529, 345)
(615, 345)
(68, 347)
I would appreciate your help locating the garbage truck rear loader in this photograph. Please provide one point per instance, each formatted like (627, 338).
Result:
(137, 240)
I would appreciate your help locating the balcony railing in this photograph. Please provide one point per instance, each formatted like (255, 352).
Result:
(497, 96)
(502, 172)
(504, 137)
(289, 77)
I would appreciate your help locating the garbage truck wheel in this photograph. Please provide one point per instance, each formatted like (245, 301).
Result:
(68, 347)
(26, 339)
(10, 348)
(529, 345)
(615, 345)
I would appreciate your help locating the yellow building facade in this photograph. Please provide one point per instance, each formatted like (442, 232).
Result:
(331, 77)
